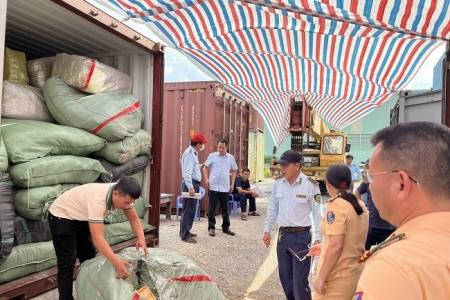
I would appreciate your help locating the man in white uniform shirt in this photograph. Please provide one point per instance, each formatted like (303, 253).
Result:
(294, 198)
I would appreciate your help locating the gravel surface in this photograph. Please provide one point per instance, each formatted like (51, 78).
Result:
(241, 265)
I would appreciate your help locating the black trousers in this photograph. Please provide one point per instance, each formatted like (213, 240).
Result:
(376, 236)
(223, 199)
(71, 239)
(188, 212)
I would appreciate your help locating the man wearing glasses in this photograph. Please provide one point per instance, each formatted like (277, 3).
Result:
(411, 190)
(295, 197)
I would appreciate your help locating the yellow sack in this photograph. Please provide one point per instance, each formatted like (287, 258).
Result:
(15, 66)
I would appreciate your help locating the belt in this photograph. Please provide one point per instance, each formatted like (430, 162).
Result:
(195, 181)
(295, 229)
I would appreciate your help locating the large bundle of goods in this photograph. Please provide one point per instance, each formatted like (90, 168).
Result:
(29, 231)
(6, 216)
(169, 275)
(3, 157)
(89, 75)
(112, 116)
(118, 216)
(15, 66)
(24, 102)
(116, 172)
(39, 70)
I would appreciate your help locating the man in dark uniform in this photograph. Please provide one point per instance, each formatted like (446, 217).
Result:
(192, 176)
(242, 191)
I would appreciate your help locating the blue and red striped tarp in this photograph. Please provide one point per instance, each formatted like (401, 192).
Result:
(344, 57)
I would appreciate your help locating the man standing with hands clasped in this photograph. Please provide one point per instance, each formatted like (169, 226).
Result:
(295, 197)
(192, 177)
(217, 175)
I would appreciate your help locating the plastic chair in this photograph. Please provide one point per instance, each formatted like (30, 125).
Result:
(232, 205)
(197, 208)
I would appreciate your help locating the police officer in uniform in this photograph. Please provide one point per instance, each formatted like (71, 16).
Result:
(294, 198)
(411, 189)
(192, 176)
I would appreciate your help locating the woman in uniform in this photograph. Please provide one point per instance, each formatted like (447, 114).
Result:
(344, 227)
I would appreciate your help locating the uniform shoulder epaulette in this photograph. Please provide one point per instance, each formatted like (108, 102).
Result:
(316, 183)
(393, 238)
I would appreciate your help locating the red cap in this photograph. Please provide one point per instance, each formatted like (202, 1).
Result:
(199, 138)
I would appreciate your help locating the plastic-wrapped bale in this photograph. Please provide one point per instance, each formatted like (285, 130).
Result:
(29, 231)
(53, 170)
(3, 157)
(117, 216)
(7, 215)
(27, 259)
(39, 70)
(112, 116)
(123, 151)
(26, 140)
(168, 274)
(89, 75)
(33, 203)
(120, 232)
(15, 66)
(116, 172)
(24, 102)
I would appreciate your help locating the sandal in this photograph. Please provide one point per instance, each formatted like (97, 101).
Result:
(244, 217)
(254, 213)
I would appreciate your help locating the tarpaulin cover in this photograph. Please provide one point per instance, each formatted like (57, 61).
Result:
(117, 216)
(26, 140)
(39, 70)
(112, 116)
(33, 203)
(116, 172)
(123, 151)
(169, 275)
(24, 102)
(53, 170)
(7, 215)
(28, 231)
(15, 66)
(89, 75)
(345, 58)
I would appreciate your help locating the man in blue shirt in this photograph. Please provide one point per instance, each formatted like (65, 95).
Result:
(217, 175)
(192, 176)
(356, 173)
(242, 191)
(379, 229)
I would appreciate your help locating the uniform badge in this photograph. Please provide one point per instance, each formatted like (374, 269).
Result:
(358, 296)
(330, 217)
(318, 198)
(300, 196)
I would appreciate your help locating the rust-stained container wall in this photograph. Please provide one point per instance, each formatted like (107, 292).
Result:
(202, 107)
(256, 155)
(255, 120)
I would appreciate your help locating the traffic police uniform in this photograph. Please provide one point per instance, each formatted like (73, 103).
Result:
(413, 264)
(191, 178)
(341, 218)
(291, 206)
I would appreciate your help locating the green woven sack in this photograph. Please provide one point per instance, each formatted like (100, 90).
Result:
(26, 140)
(34, 203)
(140, 205)
(125, 150)
(3, 157)
(120, 232)
(112, 116)
(53, 170)
(27, 259)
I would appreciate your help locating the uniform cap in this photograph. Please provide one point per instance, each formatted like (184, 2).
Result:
(366, 162)
(289, 157)
(199, 138)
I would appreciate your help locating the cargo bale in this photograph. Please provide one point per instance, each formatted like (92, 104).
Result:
(39, 70)
(15, 66)
(7, 215)
(29, 231)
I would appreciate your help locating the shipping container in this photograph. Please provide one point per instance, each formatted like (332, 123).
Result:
(202, 107)
(256, 155)
(255, 120)
(413, 107)
(42, 28)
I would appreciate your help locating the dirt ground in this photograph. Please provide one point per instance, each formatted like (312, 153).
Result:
(241, 265)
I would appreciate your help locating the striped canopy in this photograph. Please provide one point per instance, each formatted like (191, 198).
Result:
(343, 57)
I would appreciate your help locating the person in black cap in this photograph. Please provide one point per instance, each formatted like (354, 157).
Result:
(295, 197)
(379, 229)
(190, 168)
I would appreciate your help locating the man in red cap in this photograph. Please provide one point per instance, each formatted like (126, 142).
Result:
(192, 177)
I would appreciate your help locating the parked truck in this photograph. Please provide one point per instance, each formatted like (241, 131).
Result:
(319, 146)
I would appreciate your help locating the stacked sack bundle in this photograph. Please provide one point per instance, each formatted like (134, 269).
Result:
(44, 159)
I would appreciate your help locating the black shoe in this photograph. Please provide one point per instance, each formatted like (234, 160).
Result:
(212, 232)
(190, 240)
(193, 234)
(228, 231)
